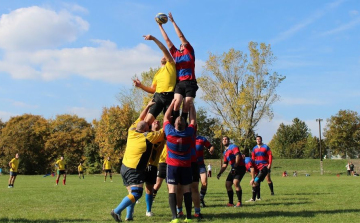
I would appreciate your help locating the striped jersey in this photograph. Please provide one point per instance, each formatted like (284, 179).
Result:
(185, 62)
(201, 143)
(261, 155)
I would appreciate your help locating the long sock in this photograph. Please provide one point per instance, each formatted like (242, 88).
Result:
(64, 181)
(172, 203)
(178, 209)
(271, 186)
(188, 204)
(239, 195)
(57, 181)
(231, 195)
(197, 210)
(202, 193)
(126, 201)
(154, 194)
(104, 178)
(110, 177)
(185, 116)
(254, 190)
(130, 211)
(258, 191)
(148, 199)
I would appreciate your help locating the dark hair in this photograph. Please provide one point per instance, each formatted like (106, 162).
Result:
(259, 137)
(227, 137)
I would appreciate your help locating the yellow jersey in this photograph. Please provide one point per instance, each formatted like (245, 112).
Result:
(156, 153)
(14, 165)
(163, 155)
(61, 164)
(80, 168)
(165, 78)
(139, 146)
(107, 165)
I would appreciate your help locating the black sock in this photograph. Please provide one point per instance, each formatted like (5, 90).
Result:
(188, 204)
(254, 190)
(172, 203)
(271, 187)
(231, 195)
(258, 191)
(154, 194)
(239, 195)
(184, 115)
(202, 193)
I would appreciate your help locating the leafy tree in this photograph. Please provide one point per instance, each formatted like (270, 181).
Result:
(239, 91)
(26, 135)
(290, 140)
(342, 133)
(111, 132)
(69, 135)
(93, 161)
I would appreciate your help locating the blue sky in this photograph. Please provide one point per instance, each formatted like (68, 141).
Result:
(74, 57)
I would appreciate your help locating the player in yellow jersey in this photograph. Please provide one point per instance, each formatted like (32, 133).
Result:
(139, 145)
(81, 170)
(14, 164)
(163, 84)
(161, 173)
(107, 167)
(151, 171)
(61, 165)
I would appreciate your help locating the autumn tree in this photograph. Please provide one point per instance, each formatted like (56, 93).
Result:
(69, 135)
(26, 135)
(240, 90)
(342, 133)
(111, 131)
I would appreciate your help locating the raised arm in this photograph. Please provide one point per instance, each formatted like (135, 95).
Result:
(165, 51)
(145, 111)
(138, 84)
(177, 30)
(167, 116)
(165, 36)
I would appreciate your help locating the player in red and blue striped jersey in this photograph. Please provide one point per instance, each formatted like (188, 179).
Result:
(179, 140)
(262, 156)
(233, 157)
(184, 57)
(251, 168)
(201, 144)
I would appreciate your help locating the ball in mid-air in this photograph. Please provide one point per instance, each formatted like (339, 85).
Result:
(161, 18)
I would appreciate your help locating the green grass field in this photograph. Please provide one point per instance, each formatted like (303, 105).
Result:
(327, 198)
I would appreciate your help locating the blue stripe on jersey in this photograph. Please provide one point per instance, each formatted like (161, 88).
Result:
(184, 72)
(182, 58)
(185, 157)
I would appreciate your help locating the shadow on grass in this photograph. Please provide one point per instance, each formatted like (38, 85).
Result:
(267, 214)
(315, 193)
(260, 203)
(42, 220)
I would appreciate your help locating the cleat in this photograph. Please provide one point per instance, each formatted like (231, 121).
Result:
(180, 214)
(202, 202)
(129, 219)
(229, 205)
(258, 199)
(251, 200)
(238, 205)
(149, 214)
(198, 216)
(272, 193)
(187, 220)
(176, 220)
(116, 217)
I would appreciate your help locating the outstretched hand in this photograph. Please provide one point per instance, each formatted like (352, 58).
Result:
(137, 83)
(171, 17)
(148, 37)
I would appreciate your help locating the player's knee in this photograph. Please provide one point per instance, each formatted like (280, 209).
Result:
(137, 192)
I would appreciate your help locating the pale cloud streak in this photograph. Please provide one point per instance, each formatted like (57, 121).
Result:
(343, 27)
(301, 101)
(306, 22)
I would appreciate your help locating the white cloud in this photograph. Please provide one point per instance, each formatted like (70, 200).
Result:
(5, 116)
(105, 62)
(343, 27)
(35, 28)
(306, 22)
(22, 104)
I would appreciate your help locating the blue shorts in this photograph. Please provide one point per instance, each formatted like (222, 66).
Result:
(13, 174)
(179, 175)
(202, 168)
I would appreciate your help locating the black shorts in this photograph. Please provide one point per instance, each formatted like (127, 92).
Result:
(262, 174)
(108, 171)
(81, 172)
(239, 174)
(150, 174)
(186, 88)
(162, 170)
(162, 103)
(61, 172)
(13, 174)
(178, 175)
(195, 172)
(131, 176)
(202, 168)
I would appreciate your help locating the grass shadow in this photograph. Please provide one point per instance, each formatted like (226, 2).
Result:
(24, 220)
